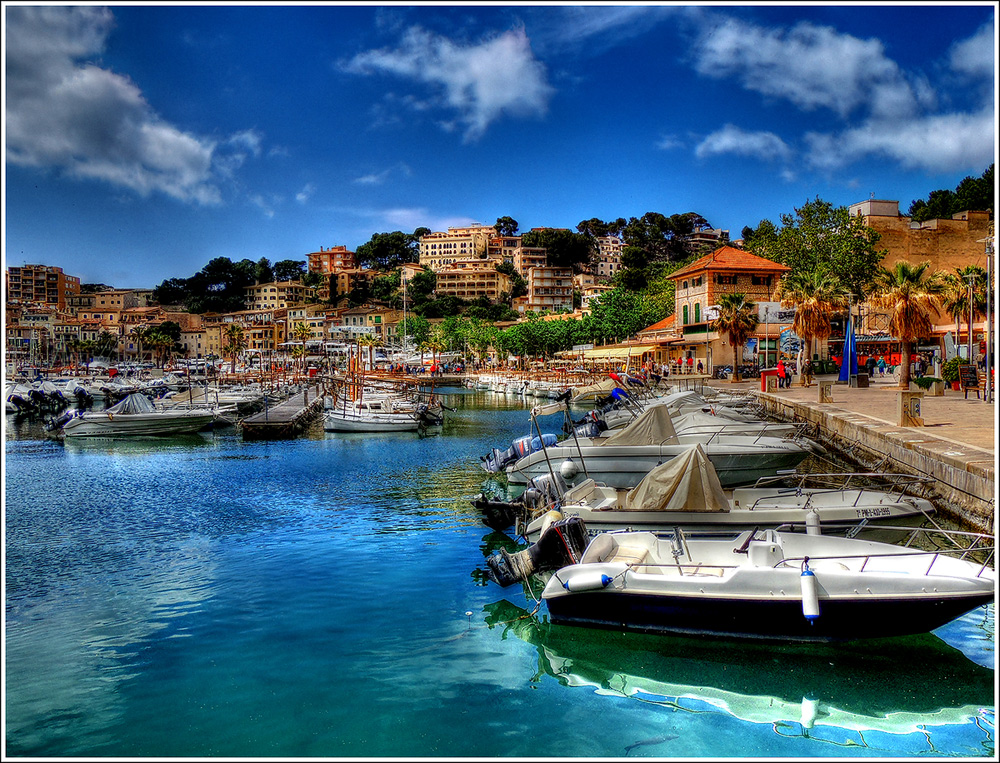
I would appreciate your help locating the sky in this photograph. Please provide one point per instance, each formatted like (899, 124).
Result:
(143, 141)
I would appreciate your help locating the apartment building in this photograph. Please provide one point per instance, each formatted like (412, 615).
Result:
(471, 279)
(41, 284)
(461, 243)
(330, 260)
(277, 295)
(549, 289)
(608, 259)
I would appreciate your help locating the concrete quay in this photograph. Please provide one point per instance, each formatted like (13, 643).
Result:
(956, 446)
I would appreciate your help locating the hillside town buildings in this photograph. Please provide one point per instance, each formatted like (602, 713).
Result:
(49, 319)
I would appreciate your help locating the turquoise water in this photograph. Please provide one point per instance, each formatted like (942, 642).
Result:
(327, 597)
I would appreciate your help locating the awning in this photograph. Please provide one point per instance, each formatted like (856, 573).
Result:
(635, 351)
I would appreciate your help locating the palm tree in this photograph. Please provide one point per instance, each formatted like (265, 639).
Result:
(738, 320)
(816, 295)
(301, 333)
(955, 299)
(370, 341)
(236, 342)
(911, 295)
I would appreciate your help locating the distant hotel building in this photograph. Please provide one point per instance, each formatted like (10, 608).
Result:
(42, 285)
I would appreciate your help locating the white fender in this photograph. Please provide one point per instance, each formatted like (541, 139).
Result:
(587, 581)
(810, 593)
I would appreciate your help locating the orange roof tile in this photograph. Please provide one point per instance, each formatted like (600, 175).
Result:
(664, 324)
(730, 258)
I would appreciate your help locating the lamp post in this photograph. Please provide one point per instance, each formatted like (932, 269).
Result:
(972, 280)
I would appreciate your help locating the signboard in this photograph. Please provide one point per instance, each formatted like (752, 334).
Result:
(968, 376)
(789, 342)
(712, 313)
(750, 349)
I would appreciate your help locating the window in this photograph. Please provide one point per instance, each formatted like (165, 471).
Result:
(760, 280)
(684, 285)
(726, 279)
(696, 282)
(697, 312)
(685, 319)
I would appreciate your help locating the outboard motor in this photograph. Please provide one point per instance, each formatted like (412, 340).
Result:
(562, 544)
(54, 425)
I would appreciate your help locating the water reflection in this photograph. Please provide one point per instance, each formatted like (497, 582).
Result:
(850, 695)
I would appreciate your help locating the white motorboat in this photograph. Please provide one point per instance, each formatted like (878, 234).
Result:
(624, 458)
(686, 492)
(134, 416)
(767, 584)
(378, 414)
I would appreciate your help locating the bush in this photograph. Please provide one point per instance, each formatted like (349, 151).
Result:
(950, 369)
(925, 382)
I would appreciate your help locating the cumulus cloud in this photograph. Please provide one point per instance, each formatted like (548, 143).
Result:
(733, 140)
(976, 56)
(65, 112)
(811, 66)
(939, 143)
(895, 114)
(478, 82)
(306, 193)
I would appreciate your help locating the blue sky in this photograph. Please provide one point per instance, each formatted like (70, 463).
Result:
(141, 142)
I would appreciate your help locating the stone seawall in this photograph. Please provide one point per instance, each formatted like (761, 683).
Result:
(963, 475)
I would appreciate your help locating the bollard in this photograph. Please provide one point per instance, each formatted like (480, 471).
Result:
(909, 408)
(826, 392)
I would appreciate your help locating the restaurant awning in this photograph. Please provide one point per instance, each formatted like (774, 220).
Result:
(600, 353)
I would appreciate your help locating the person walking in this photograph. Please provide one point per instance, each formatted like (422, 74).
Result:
(781, 374)
(881, 365)
(701, 368)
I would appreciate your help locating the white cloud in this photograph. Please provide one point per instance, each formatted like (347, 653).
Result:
(941, 143)
(976, 55)
(306, 193)
(480, 82)
(67, 113)
(810, 66)
(668, 142)
(733, 140)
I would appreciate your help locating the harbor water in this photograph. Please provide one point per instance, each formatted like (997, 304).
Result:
(327, 596)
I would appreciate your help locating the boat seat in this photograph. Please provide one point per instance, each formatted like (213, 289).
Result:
(604, 548)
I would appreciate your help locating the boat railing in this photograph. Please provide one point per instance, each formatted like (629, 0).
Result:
(765, 429)
(839, 482)
(797, 561)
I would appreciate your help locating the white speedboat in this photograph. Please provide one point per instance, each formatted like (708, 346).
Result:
(686, 492)
(134, 416)
(378, 414)
(629, 454)
(766, 584)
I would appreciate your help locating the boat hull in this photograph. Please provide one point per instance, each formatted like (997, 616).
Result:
(840, 619)
(138, 425)
(341, 424)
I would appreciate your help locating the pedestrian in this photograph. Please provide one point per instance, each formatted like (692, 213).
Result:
(701, 368)
(690, 364)
(881, 365)
(789, 370)
(781, 374)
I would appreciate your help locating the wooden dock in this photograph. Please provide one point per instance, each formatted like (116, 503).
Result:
(286, 419)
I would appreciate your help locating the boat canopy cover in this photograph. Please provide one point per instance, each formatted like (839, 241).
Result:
(684, 398)
(594, 391)
(652, 427)
(687, 482)
(134, 403)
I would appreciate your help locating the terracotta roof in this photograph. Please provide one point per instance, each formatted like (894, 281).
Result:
(730, 258)
(659, 326)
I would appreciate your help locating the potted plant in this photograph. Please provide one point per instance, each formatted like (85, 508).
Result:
(929, 383)
(950, 373)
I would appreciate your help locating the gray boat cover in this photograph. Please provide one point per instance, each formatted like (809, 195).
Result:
(134, 403)
(652, 427)
(687, 482)
(593, 391)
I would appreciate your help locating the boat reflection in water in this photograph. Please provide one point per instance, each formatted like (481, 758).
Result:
(848, 695)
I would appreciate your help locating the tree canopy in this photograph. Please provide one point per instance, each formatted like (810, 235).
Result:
(217, 287)
(970, 194)
(385, 251)
(289, 270)
(819, 236)
(564, 248)
(506, 226)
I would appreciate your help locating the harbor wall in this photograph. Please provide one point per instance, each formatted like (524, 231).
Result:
(964, 479)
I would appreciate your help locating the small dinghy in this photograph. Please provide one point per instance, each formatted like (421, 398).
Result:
(766, 584)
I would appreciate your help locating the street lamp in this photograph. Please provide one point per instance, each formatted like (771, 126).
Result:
(972, 279)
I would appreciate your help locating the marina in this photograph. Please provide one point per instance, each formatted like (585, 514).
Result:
(223, 585)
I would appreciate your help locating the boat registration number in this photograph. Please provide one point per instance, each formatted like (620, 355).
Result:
(870, 513)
